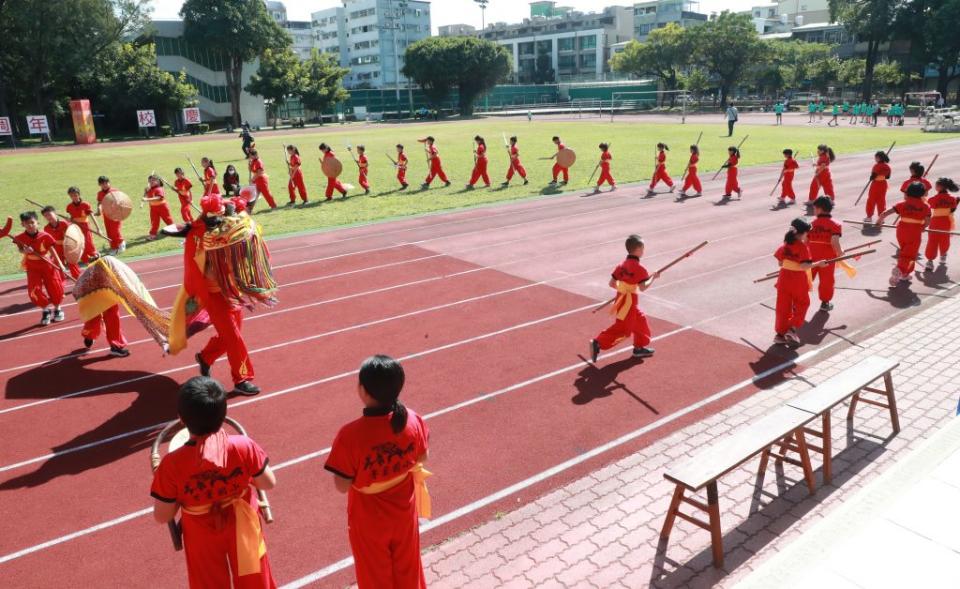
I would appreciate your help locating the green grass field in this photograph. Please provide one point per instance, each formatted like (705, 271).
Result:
(45, 175)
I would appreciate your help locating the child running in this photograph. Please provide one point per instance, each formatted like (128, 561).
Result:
(605, 175)
(914, 218)
(211, 480)
(660, 171)
(942, 206)
(378, 461)
(877, 197)
(692, 180)
(628, 278)
(793, 283)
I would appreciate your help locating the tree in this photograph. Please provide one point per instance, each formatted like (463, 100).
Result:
(473, 65)
(279, 76)
(889, 74)
(321, 82)
(851, 71)
(695, 81)
(665, 54)
(237, 31)
(938, 45)
(727, 47)
(544, 72)
(869, 21)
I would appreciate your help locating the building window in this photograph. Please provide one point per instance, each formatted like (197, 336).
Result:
(644, 30)
(566, 62)
(365, 59)
(588, 42)
(565, 44)
(544, 46)
(363, 13)
(588, 62)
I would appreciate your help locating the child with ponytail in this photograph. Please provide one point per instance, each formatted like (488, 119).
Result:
(660, 170)
(821, 174)
(733, 184)
(942, 206)
(692, 180)
(378, 460)
(793, 283)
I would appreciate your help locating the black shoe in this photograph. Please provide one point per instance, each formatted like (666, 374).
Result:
(468, 187)
(366, 191)
(504, 184)
(826, 306)
(424, 186)
(564, 183)
(594, 350)
(45, 317)
(642, 352)
(119, 352)
(525, 182)
(447, 183)
(246, 388)
(204, 367)
(87, 343)
(404, 186)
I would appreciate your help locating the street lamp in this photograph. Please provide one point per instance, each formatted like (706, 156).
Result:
(483, 12)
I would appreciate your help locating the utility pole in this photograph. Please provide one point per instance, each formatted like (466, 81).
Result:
(483, 12)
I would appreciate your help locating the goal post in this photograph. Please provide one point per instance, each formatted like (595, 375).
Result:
(623, 102)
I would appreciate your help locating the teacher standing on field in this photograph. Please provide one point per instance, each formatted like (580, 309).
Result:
(731, 119)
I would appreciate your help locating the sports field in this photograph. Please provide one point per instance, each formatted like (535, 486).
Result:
(45, 174)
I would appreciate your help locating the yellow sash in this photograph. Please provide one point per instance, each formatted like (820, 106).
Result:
(792, 266)
(880, 179)
(420, 491)
(945, 212)
(250, 544)
(849, 270)
(621, 306)
(911, 221)
(82, 219)
(158, 203)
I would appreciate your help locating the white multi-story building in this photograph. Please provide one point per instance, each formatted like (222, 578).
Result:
(456, 31)
(300, 31)
(370, 37)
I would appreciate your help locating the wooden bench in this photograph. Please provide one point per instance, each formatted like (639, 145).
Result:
(702, 471)
(849, 384)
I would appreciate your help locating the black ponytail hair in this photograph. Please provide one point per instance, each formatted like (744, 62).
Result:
(917, 169)
(824, 148)
(882, 155)
(294, 149)
(695, 149)
(948, 184)
(323, 147)
(382, 378)
(664, 146)
(788, 152)
(604, 146)
(480, 140)
(824, 203)
(832, 155)
(797, 228)
(734, 150)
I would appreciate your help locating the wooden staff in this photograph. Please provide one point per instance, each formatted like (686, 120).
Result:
(662, 270)
(197, 172)
(936, 156)
(684, 175)
(782, 172)
(67, 218)
(847, 250)
(597, 167)
(5, 232)
(174, 188)
(725, 165)
(830, 261)
(864, 191)
(939, 231)
(392, 161)
(286, 158)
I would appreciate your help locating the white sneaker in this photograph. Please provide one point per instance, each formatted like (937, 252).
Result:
(943, 259)
(122, 248)
(868, 220)
(895, 276)
(929, 266)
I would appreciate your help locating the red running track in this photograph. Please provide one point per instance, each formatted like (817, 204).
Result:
(489, 308)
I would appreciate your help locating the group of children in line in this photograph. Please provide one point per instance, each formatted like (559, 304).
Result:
(864, 113)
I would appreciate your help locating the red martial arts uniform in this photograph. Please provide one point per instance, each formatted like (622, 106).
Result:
(362, 166)
(926, 185)
(790, 166)
(605, 175)
(793, 287)
(382, 501)
(558, 169)
(660, 172)
(113, 228)
(692, 180)
(210, 478)
(402, 168)
(515, 165)
(822, 178)
(480, 167)
(877, 197)
(296, 183)
(44, 282)
(942, 206)
(225, 315)
(79, 213)
(109, 319)
(262, 181)
(333, 183)
(821, 248)
(913, 213)
(630, 319)
(436, 169)
(183, 186)
(158, 209)
(57, 232)
(210, 185)
(733, 183)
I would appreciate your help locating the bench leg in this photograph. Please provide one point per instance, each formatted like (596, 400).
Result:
(716, 535)
(892, 402)
(672, 512)
(805, 459)
(853, 405)
(827, 449)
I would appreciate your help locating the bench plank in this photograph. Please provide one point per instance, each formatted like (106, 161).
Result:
(838, 388)
(729, 452)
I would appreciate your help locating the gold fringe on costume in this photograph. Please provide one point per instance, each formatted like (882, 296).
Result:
(237, 259)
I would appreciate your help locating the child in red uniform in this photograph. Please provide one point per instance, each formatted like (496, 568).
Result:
(821, 175)
(914, 218)
(401, 166)
(628, 279)
(793, 283)
(57, 228)
(692, 180)
(296, 183)
(80, 212)
(733, 183)
(260, 178)
(480, 164)
(211, 480)
(877, 197)
(210, 185)
(159, 210)
(557, 168)
(942, 206)
(183, 186)
(515, 165)
(605, 175)
(113, 228)
(917, 172)
(363, 168)
(660, 171)
(790, 166)
(332, 183)
(824, 244)
(436, 167)
(44, 282)
(378, 460)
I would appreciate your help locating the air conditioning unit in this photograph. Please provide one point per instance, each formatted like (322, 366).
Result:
(799, 20)
(784, 19)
